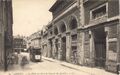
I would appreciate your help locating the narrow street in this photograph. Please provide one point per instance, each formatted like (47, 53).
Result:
(59, 37)
(45, 67)
(50, 67)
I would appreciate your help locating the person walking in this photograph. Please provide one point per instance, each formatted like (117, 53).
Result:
(24, 61)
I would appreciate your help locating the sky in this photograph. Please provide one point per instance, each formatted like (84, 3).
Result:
(30, 16)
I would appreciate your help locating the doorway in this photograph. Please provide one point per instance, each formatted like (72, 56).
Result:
(63, 48)
(56, 49)
(100, 46)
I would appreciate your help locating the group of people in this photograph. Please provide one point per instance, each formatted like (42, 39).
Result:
(18, 59)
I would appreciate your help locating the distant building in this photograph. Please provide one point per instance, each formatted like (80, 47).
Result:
(19, 44)
(34, 40)
(6, 33)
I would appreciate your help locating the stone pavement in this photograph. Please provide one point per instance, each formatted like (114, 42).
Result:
(90, 70)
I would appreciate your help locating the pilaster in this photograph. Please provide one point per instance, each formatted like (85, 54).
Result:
(80, 47)
(68, 47)
(92, 49)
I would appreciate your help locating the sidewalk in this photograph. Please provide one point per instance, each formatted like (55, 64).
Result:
(89, 70)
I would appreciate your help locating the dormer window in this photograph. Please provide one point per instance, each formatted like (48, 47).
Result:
(99, 11)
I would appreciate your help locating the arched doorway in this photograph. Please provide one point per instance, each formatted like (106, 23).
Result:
(73, 23)
(63, 41)
(63, 48)
(56, 44)
(62, 28)
(56, 48)
(55, 30)
(73, 29)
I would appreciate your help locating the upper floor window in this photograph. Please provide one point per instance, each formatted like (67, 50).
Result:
(99, 11)
(55, 31)
(63, 28)
(73, 24)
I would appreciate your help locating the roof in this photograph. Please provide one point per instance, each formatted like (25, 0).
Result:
(55, 5)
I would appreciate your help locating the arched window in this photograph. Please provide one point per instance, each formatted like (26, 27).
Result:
(55, 31)
(62, 28)
(73, 23)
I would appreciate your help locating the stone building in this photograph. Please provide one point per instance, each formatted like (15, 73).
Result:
(45, 41)
(86, 32)
(19, 44)
(65, 23)
(35, 40)
(49, 38)
(6, 21)
(101, 33)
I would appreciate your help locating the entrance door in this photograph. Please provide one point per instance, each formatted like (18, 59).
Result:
(56, 49)
(100, 46)
(63, 48)
(74, 55)
(50, 42)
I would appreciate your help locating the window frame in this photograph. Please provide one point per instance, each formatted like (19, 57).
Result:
(98, 7)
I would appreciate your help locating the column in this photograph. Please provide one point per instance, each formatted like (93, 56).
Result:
(80, 47)
(68, 47)
(107, 44)
(92, 49)
(59, 48)
(53, 47)
(49, 48)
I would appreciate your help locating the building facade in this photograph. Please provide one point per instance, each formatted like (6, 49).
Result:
(84, 32)
(35, 40)
(101, 33)
(6, 33)
(44, 42)
(19, 44)
(66, 21)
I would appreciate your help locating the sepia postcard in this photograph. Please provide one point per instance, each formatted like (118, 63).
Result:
(59, 37)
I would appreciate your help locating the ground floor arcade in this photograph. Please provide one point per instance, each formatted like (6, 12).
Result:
(95, 46)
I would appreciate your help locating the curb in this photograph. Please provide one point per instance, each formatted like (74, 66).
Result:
(90, 71)
(62, 63)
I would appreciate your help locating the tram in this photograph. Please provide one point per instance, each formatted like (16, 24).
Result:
(35, 54)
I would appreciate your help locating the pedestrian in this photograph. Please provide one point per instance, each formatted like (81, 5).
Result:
(24, 61)
(15, 58)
